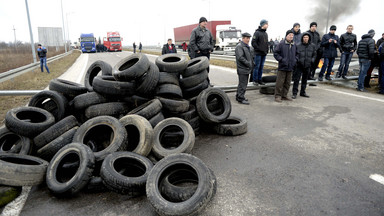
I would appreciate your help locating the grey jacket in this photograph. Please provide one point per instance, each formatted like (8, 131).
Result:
(201, 39)
(244, 58)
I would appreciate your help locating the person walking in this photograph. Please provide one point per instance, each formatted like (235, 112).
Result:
(330, 42)
(140, 47)
(296, 33)
(307, 55)
(348, 44)
(169, 47)
(42, 53)
(134, 47)
(287, 56)
(260, 45)
(315, 40)
(366, 52)
(244, 63)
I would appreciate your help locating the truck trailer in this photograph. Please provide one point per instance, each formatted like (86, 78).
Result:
(87, 42)
(113, 41)
(225, 36)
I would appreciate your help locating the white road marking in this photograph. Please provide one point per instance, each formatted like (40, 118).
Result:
(378, 178)
(83, 69)
(14, 208)
(117, 55)
(356, 95)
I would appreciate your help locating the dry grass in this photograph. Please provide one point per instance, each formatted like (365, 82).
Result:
(33, 80)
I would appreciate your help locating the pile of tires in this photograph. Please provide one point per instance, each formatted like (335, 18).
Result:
(129, 129)
(270, 90)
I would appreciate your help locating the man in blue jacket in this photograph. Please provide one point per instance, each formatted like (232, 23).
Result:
(330, 42)
(42, 53)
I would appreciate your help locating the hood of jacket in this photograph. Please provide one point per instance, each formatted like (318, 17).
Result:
(260, 29)
(309, 35)
(296, 33)
(366, 36)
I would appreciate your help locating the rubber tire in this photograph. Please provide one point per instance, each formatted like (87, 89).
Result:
(148, 109)
(195, 66)
(93, 70)
(13, 143)
(171, 62)
(177, 193)
(156, 119)
(169, 91)
(55, 131)
(21, 170)
(61, 103)
(192, 81)
(188, 115)
(132, 180)
(62, 187)
(115, 109)
(202, 105)
(85, 134)
(185, 147)
(269, 79)
(195, 122)
(204, 192)
(168, 78)
(196, 90)
(105, 86)
(174, 105)
(95, 185)
(135, 100)
(68, 88)
(40, 120)
(131, 67)
(139, 138)
(267, 90)
(8, 194)
(48, 151)
(148, 82)
(83, 101)
(233, 126)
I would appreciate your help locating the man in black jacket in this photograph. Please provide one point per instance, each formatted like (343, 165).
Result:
(169, 47)
(42, 53)
(330, 42)
(366, 52)
(315, 40)
(348, 45)
(244, 63)
(307, 55)
(260, 45)
(381, 40)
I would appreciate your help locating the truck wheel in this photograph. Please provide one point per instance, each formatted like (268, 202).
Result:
(203, 100)
(67, 88)
(194, 80)
(148, 82)
(195, 66)
(233, 126)
(115, 109)
(60, 103)
(13, 143)
(148, 110)
(171, 62)
(94, 70)
(131, 67)
(169, 91)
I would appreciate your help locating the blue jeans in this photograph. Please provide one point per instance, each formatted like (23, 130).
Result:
(328, 62)
(259, 65)
(43, 61)
(344, 63)
(364, 66)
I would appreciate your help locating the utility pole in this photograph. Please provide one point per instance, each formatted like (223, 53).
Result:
(14, 34)
(30, 33)
(329, 10)
(62, 17)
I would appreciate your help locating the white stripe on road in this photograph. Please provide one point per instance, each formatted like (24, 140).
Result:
(356, 95)
(83, 70)
(378, 178)
(14, 208)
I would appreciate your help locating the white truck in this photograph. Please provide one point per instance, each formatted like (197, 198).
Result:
(227, 37)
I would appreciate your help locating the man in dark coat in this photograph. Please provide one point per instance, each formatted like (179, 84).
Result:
(307, 55)
(366, 52)
(42, 53)
(169, 47)
(134, 47)
(260, 45)
(287, 56)
(348, 44)
(296, 33)
(244, 63)
(381, 40)
(315, 40)
(330, 42)
(381, 68)
(140, 47)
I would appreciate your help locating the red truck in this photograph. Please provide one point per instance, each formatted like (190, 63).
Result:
(113, 41)
(225, 37)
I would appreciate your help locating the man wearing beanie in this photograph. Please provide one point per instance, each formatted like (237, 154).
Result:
(315, 40)
(366, 52)
(260, 45)
(287, 56)
(348, 44)
(42, 53)
(296, 33)
(330, 42)
(201, 41)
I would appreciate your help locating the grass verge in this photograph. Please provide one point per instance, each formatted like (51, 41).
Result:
(33, 80)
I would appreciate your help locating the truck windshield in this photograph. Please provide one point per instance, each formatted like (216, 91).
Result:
(232, 34)
(114, 39)
(87, 39)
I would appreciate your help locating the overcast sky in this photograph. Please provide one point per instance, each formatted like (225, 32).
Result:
(152, 21)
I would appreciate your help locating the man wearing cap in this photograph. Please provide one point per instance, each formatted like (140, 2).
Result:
(260, 45)
(366, 52)
(315, 40)
(287, 56)
(330, 42)
(296, 33)
(244, 63)
(42, 53)
(348, 44)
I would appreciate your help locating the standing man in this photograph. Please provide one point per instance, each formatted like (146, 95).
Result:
(260, 45)
(315, 40)
(140, 47)
(42, 53)
(169, 47)
(296, 33)
(244, 62)
(307, 55)
(381, 40)
(366, 52)
(330, 42)
(271, 44)
(287, 56)
(381, 68)
(134, 47)
(348, 45)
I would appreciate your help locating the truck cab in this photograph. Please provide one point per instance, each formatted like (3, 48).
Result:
(113, 41)
(227, 37)
(87, 43)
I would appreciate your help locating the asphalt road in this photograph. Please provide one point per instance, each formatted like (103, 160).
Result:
(311, 156)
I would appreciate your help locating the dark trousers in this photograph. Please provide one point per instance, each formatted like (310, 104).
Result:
(328, 65)
(303, 73)
(344, 63)
(367, 79)
(316, 63)
(283, 82)
(242, 87)
(208, 55)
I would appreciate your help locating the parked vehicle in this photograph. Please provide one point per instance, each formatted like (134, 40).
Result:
(113, 41)
(87, 42)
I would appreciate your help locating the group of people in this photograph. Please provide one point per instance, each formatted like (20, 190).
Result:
(298, 56)
(134, 47)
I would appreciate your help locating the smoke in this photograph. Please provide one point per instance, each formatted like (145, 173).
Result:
(339, 9)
